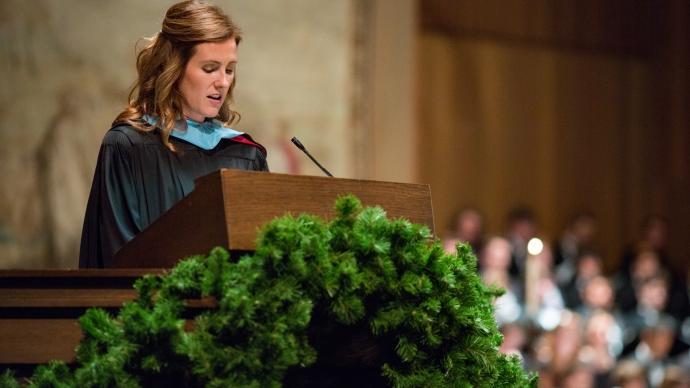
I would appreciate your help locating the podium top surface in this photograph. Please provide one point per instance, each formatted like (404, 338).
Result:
(228, 207)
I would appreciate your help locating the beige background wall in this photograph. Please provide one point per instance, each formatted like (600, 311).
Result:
(66, 67)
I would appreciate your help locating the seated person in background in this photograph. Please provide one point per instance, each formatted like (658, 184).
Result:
(495, 260)
(654, 237)
(652, 296)
(597, 294)
(467, 226)
(522, 226)
(543, 299)
(656, 340)
(588, 266)
(645, 265)
(556, 352)
(602, 344)
(174, 130)
(629, 374)
(515, 339)
(579, 376)
(576, 239)
(676, 377)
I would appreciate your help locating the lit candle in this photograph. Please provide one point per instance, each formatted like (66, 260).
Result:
(532, 275)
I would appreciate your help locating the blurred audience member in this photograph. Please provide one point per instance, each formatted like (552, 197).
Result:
(522, 226)
(644, 265)
(629, 374)
(576, 239)
(676, 377)
(467, 226)
(652, 295)
(654, 237)
(678, 296)
(579, 376)
(685, 316)
(556, 351)
(588, 266)
(514, 339)
(495, 261)
(543, 300)
(656, 340)
(597, 294)
(603, 342)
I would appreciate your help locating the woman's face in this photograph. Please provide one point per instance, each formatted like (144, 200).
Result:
(207, 79)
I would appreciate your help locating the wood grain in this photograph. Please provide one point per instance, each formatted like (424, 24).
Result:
(228, 207)
(273, 195)
(55, 298)
(109, 273)
(33, 341)
(39, 309)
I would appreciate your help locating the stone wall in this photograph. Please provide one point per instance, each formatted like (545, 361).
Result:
(66, 67)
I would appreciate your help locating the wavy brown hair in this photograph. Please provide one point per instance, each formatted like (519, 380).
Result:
(161, 65)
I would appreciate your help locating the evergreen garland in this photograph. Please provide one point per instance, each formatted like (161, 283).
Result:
(428, 310)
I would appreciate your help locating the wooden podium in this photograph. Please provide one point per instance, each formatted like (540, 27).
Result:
(39, 309)
(227, 207)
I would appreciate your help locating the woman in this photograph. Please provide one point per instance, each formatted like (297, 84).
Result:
(174, 130)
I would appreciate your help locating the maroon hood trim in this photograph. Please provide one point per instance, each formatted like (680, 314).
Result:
(246, 139)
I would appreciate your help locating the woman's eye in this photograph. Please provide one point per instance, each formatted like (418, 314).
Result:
(229, 71)
(209, 69)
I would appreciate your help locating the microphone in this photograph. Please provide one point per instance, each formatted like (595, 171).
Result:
(299, 145)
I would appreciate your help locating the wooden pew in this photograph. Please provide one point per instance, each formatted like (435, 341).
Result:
(39, 309)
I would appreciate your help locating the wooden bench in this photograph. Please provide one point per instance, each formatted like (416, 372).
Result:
(39, 309)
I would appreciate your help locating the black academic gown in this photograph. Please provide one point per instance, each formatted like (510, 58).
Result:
(137, 179)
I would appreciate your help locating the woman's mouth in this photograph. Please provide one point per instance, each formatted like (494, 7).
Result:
(216, 99)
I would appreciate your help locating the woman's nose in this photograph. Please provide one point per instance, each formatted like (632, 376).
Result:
(223, 81)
